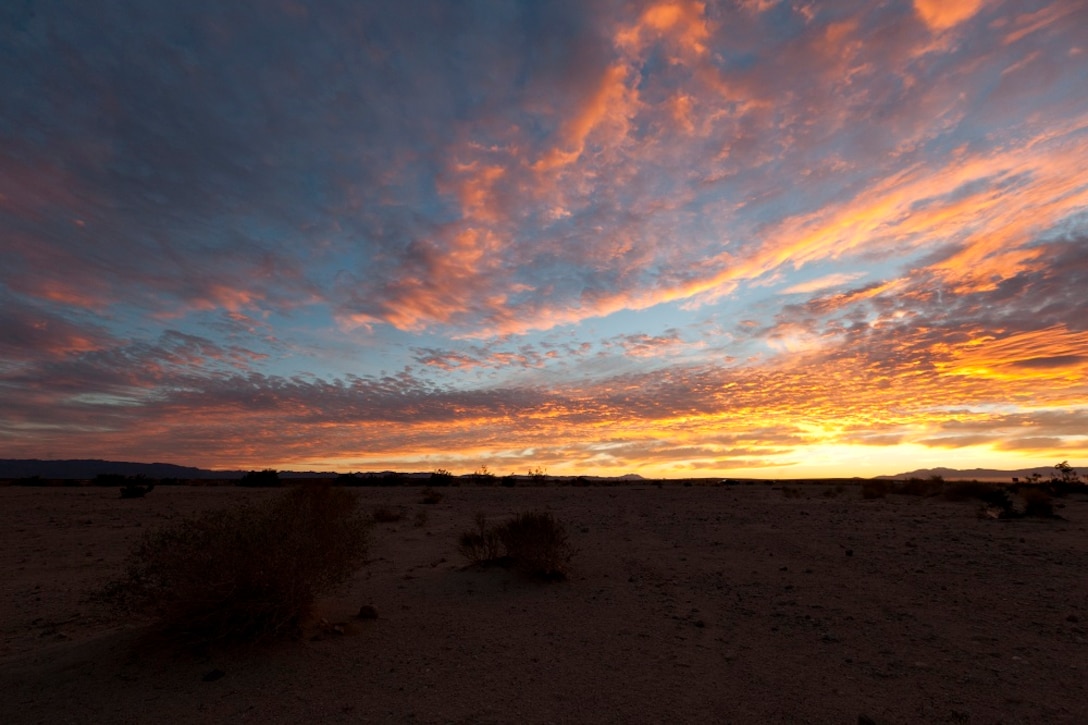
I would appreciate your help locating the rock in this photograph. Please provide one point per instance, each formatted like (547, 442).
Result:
(367, 612)
(213, 675)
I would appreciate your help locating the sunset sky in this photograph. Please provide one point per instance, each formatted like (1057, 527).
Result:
(747, 238)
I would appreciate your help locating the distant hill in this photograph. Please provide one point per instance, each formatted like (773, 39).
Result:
(85, 469)
(980, 474)
(82, 469)
(89, 468)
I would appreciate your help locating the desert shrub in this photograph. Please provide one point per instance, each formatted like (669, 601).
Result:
(921, 486)
(987, 493)
(441, 477)
(483, 477)
(482, 545)
(108, 479)
(246, 573)
(1037, 502)
(875, 489)
(536, 543)
(135, 488)
(421, 518)
(430, 496)
(255, 479)
(1066, 480)
(788, 492)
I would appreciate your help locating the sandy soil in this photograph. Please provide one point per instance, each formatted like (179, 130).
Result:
(686, 604)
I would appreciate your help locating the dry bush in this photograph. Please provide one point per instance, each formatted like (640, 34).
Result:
(875, 489)
(991, 494)
(536, 543)
(921, 486)
(482, 546)
(1037, 502)
(430, 496)
(246, 573)
(791, 492)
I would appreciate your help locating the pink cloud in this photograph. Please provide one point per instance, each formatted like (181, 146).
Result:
(940, 15)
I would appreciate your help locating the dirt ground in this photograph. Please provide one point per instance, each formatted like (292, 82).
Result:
(732, 604)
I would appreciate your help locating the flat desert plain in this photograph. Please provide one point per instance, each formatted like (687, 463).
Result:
(731, 604)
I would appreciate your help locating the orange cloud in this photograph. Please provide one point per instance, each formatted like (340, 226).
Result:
(940, 15)
(606, 110)
(1032, 22)
(475, 190)
(682, 22)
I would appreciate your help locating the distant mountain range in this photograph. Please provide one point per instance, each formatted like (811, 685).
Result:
(84, 469)
(981, 474)
(89, 468)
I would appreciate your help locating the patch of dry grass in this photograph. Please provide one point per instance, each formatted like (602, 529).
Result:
(535, 543)
(246, 573)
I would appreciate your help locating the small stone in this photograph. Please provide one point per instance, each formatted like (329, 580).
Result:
(213, 675)
(849, 552)
(1072, 618)
(367, 612)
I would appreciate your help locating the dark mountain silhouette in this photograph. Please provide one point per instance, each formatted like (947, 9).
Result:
(981, 474)
(81, 469)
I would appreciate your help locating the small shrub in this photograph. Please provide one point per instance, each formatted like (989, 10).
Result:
(441, 477)
(260, 479)
(430, 496)
(921, 486)
(790, 492)
(482, 546)
(1037, 502)
(875, 489)
(536, 543)
(134, 489)
(420, 519)
(990, 494)
(247, 573)
(483, 477)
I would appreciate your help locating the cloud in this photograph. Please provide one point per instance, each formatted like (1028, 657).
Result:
(837, 279)
(940, 15)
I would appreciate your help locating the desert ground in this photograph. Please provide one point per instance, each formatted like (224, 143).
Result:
(733, 604)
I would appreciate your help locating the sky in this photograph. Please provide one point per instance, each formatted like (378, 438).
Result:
(749, 238)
